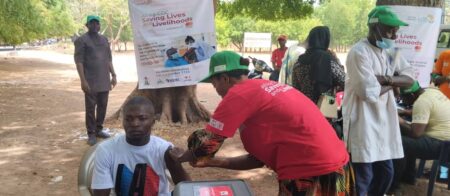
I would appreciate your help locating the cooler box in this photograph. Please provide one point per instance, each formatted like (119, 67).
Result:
(212, 188)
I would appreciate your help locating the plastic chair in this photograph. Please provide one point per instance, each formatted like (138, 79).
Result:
(443, 160)
(85, 171)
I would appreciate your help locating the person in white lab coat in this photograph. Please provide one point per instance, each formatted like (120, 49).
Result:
(371, 126)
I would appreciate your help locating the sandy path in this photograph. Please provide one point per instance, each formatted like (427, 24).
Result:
(42, 134)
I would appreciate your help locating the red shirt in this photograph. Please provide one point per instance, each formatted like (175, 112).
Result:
(277, 56)
(280, 127)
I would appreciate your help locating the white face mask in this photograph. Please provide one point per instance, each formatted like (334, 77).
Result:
(385, 43)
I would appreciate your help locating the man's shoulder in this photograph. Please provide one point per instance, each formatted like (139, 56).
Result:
(103, 37)
(251, 88)
(361, 44)
(85, 37)
(114, 141)
(362, 47)
(427, 97)
(157, 141)
(433, 94)
(82, 37)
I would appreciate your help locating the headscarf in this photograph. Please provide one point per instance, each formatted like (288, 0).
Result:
(319, 58)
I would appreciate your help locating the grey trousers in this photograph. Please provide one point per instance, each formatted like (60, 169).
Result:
(95, 105)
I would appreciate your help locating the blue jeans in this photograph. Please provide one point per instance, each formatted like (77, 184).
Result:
(373, 178)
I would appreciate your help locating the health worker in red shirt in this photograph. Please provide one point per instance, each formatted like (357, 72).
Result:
(277, 57)
(279, 127)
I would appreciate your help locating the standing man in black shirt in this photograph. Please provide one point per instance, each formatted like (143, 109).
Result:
(94, 65)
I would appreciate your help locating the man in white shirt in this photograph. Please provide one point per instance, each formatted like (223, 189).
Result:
(371, 126)
(135, 163)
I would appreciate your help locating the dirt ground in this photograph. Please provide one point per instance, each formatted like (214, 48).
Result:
(42, 134)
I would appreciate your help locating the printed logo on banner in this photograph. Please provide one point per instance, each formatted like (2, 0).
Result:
(172, 80)
(426, 19)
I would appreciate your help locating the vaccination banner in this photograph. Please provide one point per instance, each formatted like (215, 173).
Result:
(417, 42)
(173, 41)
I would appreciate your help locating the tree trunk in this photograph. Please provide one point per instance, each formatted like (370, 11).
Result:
(119, 47)
(176, 104)
(116, 40)
(111, 33)
(424, 3)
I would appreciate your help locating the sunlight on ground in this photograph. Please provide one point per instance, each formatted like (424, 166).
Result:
(231, 151)
(16, 127)
(13, 151)
(255, 174)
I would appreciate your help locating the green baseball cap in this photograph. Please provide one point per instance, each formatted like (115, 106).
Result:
(222, 62)
(383, 15)
(412, 89)
(92, 17)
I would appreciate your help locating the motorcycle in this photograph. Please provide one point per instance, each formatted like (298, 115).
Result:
(260, 68)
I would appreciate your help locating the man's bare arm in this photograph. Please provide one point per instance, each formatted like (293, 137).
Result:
(414, 130)
(385, 89)
(243, 162)
(395, 81)
(113, 75)
(174, 166)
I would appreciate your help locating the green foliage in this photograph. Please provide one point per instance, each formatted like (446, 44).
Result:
(267, 9)
(239, 25)
(59, 21)
(79, 9)
(116, 19)
(127, 34)
(26, 20)
(295, 29)
(347, 19)
(232, 30)
(222, 30)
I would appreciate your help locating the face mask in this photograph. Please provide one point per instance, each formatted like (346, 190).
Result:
(385, 43)
(175, 56)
